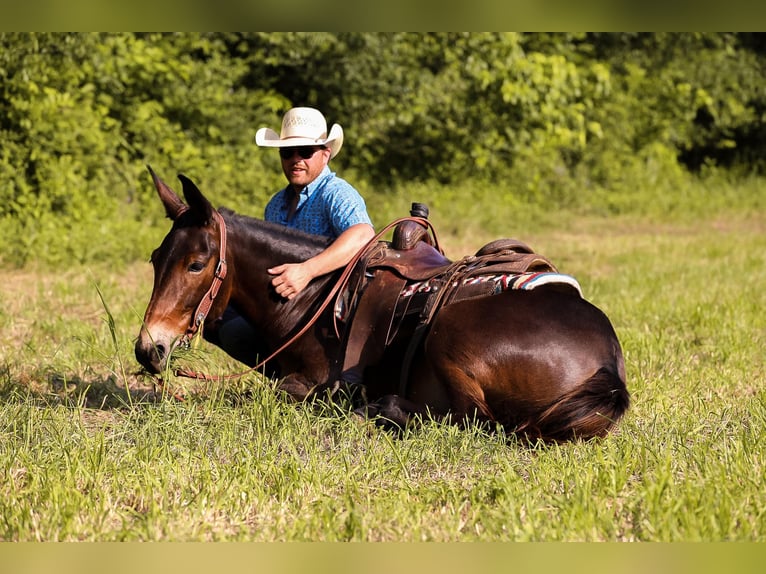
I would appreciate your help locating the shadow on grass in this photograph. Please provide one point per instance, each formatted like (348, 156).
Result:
(48, 388)
(104, 392)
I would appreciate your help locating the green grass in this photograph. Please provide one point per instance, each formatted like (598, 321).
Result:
(83, 459)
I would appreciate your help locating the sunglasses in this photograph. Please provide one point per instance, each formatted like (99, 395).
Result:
(305, 152)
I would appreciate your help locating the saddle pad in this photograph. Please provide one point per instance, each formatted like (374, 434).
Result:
(503, 282)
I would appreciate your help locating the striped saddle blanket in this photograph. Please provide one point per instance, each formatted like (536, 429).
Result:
(493, 284)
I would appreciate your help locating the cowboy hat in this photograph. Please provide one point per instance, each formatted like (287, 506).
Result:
(302, 126)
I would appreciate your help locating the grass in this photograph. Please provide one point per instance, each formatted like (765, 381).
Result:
(90, 450)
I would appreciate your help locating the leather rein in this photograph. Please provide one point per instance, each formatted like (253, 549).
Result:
(200, 314)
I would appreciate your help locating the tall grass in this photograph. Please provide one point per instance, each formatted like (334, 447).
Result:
(90, 450)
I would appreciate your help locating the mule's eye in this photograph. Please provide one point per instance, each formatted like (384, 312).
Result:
(196, 267)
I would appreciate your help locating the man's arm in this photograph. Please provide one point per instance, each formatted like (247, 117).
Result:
(291, 278)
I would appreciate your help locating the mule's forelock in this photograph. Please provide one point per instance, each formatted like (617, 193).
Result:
(198, 203)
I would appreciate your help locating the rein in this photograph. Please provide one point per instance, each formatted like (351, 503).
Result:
(207, 300)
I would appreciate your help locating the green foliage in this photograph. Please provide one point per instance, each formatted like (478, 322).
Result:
(551, 120)
(80, 115)
(698, 96)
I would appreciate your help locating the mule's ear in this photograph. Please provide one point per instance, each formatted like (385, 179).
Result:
(198, 203)
(173, 204)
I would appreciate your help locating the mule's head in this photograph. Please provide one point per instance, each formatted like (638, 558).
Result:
(185, 266)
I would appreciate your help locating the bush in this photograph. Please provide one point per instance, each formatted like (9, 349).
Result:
(609, 122)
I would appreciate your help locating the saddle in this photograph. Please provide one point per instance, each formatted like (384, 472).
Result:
(413, 259)
(451, 281)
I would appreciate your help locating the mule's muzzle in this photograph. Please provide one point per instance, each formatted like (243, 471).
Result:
(151, 355)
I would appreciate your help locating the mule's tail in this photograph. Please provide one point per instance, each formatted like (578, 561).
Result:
(588, 411)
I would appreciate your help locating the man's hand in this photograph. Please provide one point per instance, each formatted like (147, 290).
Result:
(290, 279)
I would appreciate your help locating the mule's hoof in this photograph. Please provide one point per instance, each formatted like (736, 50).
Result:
(368, 411)
(323, 390)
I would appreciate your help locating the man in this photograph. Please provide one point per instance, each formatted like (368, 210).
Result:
(315, 201)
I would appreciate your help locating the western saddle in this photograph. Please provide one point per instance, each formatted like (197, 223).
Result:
(414, 257)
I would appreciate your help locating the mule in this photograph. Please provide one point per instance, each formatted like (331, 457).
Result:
(543, 363)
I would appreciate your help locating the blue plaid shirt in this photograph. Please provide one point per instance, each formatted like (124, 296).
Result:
(327, 206)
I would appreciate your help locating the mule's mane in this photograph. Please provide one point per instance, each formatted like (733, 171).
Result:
(280, 239)
(271, 243)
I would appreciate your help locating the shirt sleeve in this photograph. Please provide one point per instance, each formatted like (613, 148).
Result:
(345, 207)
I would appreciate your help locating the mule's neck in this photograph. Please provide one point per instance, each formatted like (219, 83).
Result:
(254, 247)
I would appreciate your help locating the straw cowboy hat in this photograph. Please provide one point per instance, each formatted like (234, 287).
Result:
(302, 126)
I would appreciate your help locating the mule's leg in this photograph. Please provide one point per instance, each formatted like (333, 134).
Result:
(436, 386)
(297, 386)
(304, 388)
(300, 388)
(365, 338)
(391, 411)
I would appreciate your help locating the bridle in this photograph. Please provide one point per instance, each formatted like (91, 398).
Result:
(205, 304)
